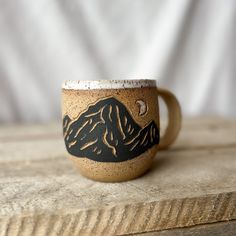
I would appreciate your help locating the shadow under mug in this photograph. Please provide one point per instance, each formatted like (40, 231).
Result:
(111, 128)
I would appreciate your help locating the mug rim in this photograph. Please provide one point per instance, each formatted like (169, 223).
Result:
(107, 84)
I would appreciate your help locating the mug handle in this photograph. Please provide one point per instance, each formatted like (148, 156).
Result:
(174, 118)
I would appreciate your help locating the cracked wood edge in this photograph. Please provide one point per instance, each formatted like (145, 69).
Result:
(125, 219)
(225, 228)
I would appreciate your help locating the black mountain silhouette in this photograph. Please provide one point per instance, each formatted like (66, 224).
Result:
(106, 132)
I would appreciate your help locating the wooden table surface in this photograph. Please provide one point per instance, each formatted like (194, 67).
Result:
(191, 184)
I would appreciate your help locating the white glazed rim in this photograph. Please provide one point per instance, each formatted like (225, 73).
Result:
(107, 84)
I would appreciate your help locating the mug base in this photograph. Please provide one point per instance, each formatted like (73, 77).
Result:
(114, 171)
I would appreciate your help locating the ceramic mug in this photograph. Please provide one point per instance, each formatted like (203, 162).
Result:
(111, 127)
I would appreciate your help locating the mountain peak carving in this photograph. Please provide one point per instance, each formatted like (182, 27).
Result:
(106, 132)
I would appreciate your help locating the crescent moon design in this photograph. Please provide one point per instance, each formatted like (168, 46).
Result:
(143, 108)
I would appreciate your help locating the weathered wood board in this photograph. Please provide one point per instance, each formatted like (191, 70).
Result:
(41, 193)
(226, 228)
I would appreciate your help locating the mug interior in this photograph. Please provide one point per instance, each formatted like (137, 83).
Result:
(107, 84)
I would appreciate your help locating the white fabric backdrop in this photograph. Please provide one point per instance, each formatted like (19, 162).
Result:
(188, 46)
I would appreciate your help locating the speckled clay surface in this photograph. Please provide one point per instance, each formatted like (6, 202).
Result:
(75, 101)
(115, 172)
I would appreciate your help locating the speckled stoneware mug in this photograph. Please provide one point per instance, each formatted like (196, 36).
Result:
(111, 127)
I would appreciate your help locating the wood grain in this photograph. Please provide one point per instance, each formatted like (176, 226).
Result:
(192, 183)
(217, 229)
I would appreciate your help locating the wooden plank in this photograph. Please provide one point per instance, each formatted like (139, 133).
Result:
(41, 191)
(22, 142)
(32, 149)
(201, 132)
(227, 228)
(14, 131)
(182, 189)
(11, 133)
(205, 133)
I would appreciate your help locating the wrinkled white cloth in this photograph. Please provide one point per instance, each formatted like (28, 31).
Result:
(187, 46)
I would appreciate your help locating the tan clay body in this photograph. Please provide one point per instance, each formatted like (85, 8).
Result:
(76, 101)
(115, 171)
